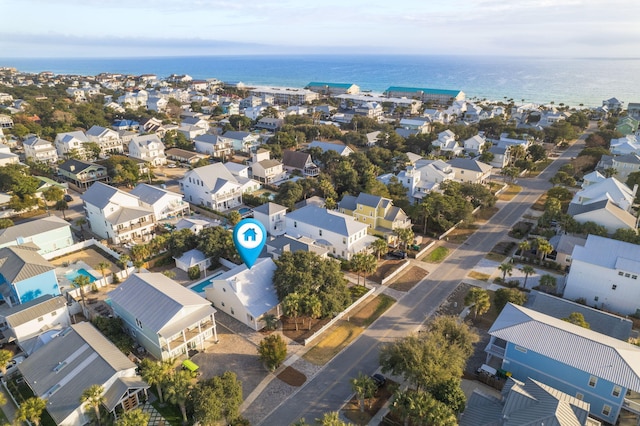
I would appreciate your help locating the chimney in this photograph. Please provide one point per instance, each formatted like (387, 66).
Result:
(635, 190)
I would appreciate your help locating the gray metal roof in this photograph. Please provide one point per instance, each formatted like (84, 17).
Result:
(599, 321)
(119, 389)
(296, 159)
(324, 219)
(533, 403)
(372, 200)
(99, 194)
(155, 300)
(18, 263)
(565, 243)
(31, 228)
(469, 164)
(284, 243)
(586, 350)
(127, 214)
(624, 217)
(150, 194)
(213, 175)
(36, 308)
(35, 140)
(77, 358)
(270, 208)
(348, 202)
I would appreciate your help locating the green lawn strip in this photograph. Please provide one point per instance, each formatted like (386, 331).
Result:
(437, 255)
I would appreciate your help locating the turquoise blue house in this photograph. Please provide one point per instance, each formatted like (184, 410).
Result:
(48, 233)
(25, 275)
(590, 366)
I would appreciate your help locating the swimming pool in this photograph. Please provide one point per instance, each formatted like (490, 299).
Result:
(74, 274)
(199, 287)
(244, 211)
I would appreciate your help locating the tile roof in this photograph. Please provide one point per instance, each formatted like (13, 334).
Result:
(583, 349)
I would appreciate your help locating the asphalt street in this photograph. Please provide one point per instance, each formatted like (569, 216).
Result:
(330, 389)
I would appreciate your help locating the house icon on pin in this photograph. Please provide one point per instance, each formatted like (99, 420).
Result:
(249, 234)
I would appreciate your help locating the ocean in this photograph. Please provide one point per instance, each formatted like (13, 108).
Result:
(572, 81)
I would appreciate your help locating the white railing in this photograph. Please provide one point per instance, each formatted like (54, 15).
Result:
(632, 406)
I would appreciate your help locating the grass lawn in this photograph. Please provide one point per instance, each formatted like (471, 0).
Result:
(460, 235)
(170, 412)
(496, 257)
(437, 255)
(512, 191)
(540, 167)
(345, 331)
(478, 276)
(485, 213)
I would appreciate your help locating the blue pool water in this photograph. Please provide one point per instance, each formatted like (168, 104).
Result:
(244, 210)
(73, 274)
(199, 288)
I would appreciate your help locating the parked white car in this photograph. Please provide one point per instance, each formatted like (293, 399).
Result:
(12, 366)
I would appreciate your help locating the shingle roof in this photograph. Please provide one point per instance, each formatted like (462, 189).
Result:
(586, 350)
(18, 263)
(77, 166)
(156, 300)
(77, 358)
(295, 159)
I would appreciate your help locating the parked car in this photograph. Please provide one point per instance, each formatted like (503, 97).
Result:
(68, 198)
(12, 366)
(397, 254)
(379, 380)
(171, 166)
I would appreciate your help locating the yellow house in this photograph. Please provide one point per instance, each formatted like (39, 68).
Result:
(379, 213)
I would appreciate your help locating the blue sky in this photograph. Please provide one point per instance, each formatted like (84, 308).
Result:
(115, 28)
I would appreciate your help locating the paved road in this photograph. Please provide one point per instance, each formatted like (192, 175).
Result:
(330, 389)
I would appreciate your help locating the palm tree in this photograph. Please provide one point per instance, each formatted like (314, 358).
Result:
(543, 247)
(506, 268)
(292, 304)
(379, 247)
(123, 262)
(312, 307)
(135, 417)
(405, 235)
(81, 281)
(102, 266)
(270, 321)
(153, 373)
(31, 410)
(527, 270)
(364, 387)
(5, 357)
(94, 397)
(178, 387)
(401, 405)
(62, 205)
(524, 246)
(81, 222)
(478, 298)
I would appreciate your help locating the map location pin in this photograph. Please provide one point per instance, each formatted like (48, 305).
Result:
(249, 237)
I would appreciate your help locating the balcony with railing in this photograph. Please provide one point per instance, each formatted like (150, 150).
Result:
(189, 334)
(494, 349)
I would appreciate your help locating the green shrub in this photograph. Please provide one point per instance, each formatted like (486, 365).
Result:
(194, 272)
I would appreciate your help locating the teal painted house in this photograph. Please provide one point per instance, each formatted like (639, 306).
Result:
(590, 366)
(25, 275)
(48, 233)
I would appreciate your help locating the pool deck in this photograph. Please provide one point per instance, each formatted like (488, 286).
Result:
(62, 271)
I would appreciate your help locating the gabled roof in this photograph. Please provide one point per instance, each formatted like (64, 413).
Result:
(599, 321)
(214, 176)
(75, 359)
(69, 136)
(605, 205)
(210, 139)
(157, 301)
(533, 403)
(583, 349)
(76, 166)
(143, 141)
(31, 228)
(18, 263)
(296, 159)
(35, 141)
(374, 201)
(610, 188)
(192, 257)
(324, 219)
(232, 134)
(338, 147)
(124, 215)
(608, 253)
(150, 194)
(99, 194)
(270, 208)
(253, 287)
(348, 202)
(469, 164)
(98, 131)
(33, 309)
